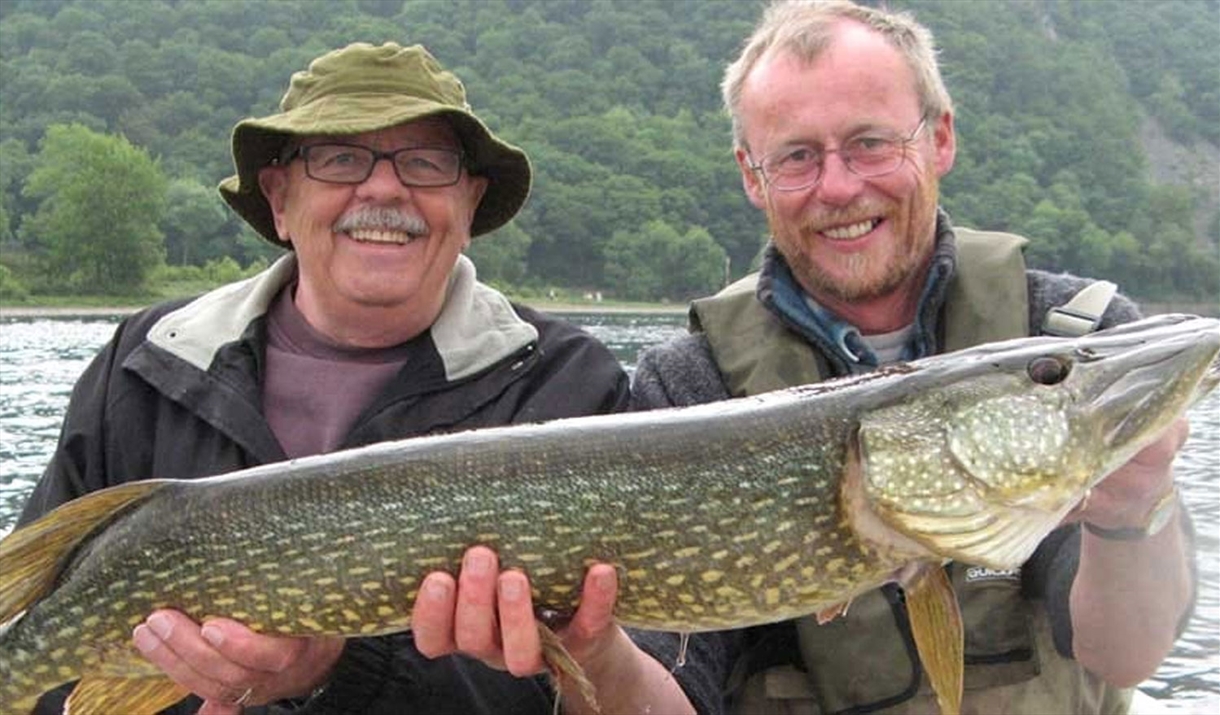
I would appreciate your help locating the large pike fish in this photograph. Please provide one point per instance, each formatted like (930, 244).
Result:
(717, 516)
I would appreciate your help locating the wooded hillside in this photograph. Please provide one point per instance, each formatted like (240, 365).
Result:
(617, 103)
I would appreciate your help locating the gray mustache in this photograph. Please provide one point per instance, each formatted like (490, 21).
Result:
(381, 218)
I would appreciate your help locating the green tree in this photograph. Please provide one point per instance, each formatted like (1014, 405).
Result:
(195, 220)
(657, 262)
(101, 200)
(500, 257)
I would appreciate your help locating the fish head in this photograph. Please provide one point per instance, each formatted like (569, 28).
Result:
(984, 451)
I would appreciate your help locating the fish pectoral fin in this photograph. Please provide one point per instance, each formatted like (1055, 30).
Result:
(31, 557)
(936, 624)
(100, 695)
(826, 615)
(563, 667)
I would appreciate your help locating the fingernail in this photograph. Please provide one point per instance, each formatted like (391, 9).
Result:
(510, 588)
(160, 625)
(212, 635)
(436, 589)
(144, 639)
(477, 563)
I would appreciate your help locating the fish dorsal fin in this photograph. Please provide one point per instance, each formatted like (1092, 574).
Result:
(32, 556)
(95, 695)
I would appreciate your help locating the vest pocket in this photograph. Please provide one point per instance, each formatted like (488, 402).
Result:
(998, 621)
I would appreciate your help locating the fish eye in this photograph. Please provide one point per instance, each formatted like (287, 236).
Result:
(1048, 370)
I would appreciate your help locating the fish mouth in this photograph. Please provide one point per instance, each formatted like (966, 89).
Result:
(1145, 379)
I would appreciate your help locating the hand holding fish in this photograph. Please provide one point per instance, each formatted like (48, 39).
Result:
(489, 614)
(1131, 591)
(230, 665)
(1128, 497)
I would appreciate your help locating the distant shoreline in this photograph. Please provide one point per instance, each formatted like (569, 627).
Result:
(48, 311)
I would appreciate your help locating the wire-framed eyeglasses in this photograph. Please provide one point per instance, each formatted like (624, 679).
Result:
(341, 163)
(870, 155)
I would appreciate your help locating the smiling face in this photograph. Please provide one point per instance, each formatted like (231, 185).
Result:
(374, 258)
(854, 243)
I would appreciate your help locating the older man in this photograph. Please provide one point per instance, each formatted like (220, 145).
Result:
(843, 128)
(376, 175)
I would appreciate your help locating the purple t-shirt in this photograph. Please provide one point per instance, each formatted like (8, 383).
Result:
(315, 388)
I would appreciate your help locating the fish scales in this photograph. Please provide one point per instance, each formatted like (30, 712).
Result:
(718, 516)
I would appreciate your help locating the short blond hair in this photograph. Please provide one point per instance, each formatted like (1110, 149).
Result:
(805, 28)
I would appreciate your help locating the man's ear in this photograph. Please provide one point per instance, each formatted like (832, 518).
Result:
(945, 140)
(751, 180)
(273, 181)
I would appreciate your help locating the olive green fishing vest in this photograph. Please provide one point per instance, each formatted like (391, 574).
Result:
(866, 661)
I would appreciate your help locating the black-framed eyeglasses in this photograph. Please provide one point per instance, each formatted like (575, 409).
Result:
(341, 163)
(870, 154)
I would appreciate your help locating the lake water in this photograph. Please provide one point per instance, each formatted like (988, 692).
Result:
(40, 359)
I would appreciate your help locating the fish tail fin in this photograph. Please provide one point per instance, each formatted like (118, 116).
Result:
(96, 695)
(31, 557)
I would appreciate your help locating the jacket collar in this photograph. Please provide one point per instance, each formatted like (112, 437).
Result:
(476, 328)
(839, 341)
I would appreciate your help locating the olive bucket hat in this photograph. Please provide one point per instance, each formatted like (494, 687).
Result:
(363, 88)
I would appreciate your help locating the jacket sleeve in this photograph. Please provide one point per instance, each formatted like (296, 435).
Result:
(678, 373)
(577, 375)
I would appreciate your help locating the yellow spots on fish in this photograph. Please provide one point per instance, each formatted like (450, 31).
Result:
(745, 561)
(637, 573)
(117, 585)
(727, 521)
(225, 601)
(351, 616)
(267, 566)
(762, 504)
(729, 593)
(386, 611)
(334, 597)
(65, 672)
(431, 562)
(561, 589)
(288, 592)
(279, 616)
(648, 603)
(359, 571)
(786, 563)
(311, 625)
(676, 580)
(638, 555)
(687, 552)
(758, 581)
(771, 596)
(721, 554)
(239, 615)
(327, 581)
(531, 558)
(711, 576)
(41, 668)
(90, 621)
(772, 546)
